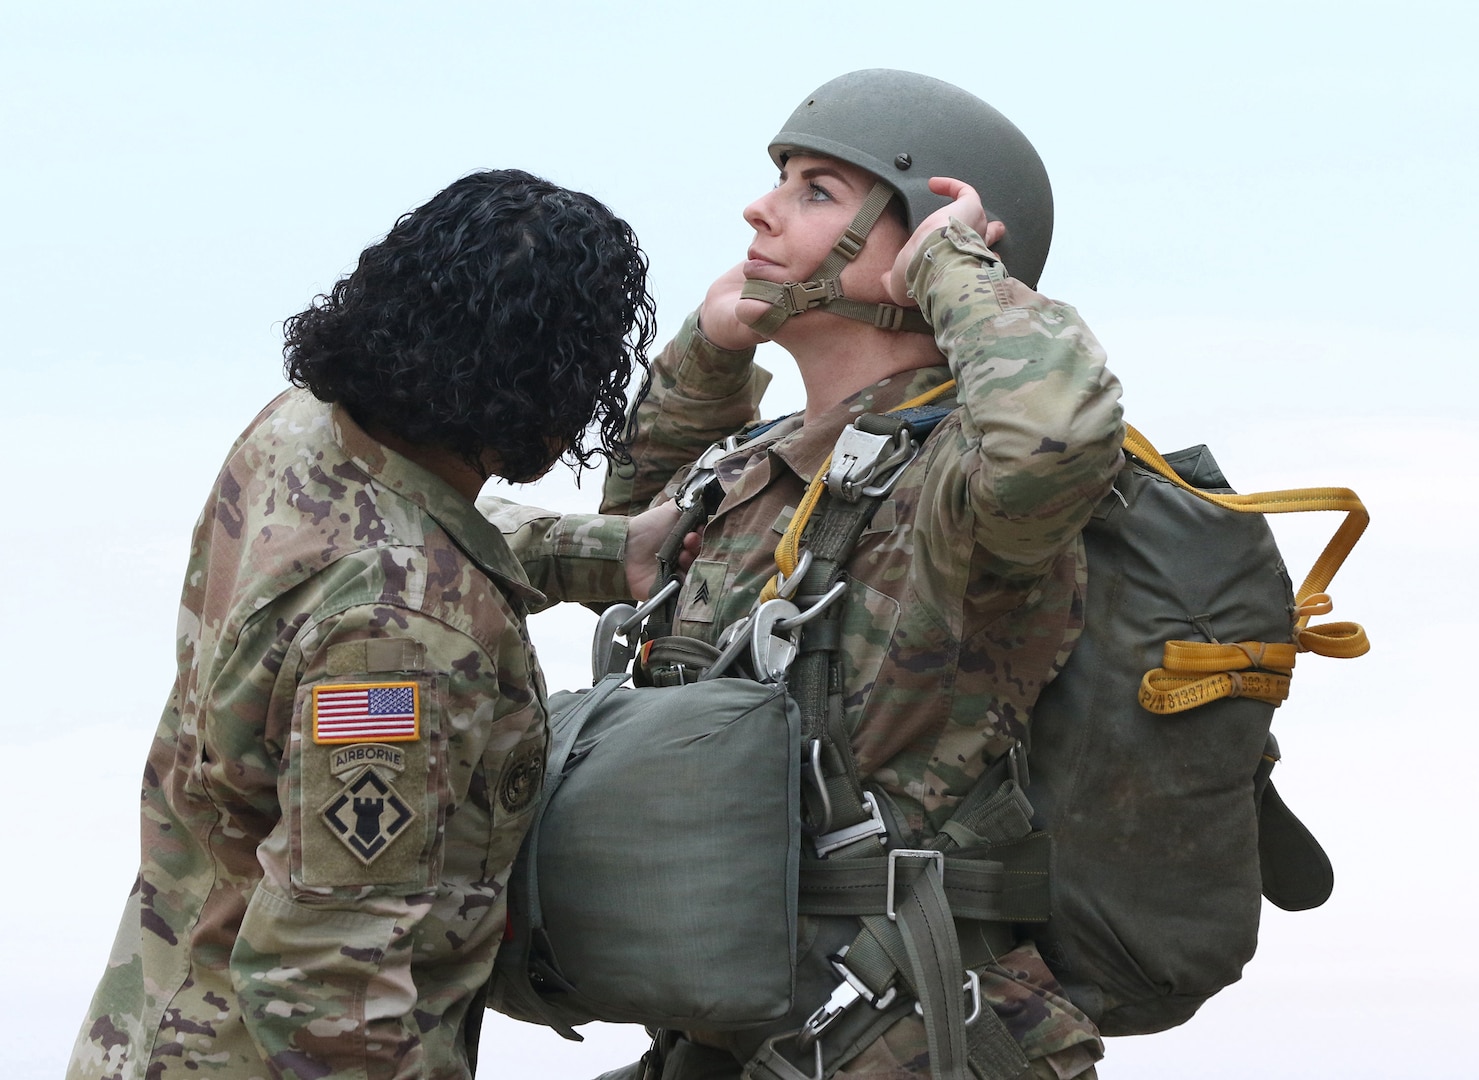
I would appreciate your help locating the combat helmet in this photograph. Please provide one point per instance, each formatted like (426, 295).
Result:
(902, 129)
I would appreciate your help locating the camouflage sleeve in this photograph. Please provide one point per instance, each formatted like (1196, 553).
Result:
(381, 904)
(698, 394)
(1040, 429)
(577, 558)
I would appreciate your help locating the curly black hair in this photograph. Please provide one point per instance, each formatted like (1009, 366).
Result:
(505, 314)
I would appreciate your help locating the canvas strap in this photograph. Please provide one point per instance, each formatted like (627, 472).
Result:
(906, 901)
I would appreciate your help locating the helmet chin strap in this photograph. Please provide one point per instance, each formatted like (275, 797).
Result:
(825, 289)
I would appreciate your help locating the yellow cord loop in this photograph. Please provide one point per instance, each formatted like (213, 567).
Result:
(1193, 673)
(788, 551)
(1165, 694)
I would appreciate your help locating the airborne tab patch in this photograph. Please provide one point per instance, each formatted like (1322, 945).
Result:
(364, 712)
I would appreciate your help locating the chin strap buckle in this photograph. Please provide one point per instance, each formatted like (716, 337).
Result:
(799, 296)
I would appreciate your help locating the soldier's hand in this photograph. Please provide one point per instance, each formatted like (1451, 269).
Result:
(645, 534)
(722, 317)
(965, 206)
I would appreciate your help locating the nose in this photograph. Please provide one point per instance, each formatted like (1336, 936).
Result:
(759, 215)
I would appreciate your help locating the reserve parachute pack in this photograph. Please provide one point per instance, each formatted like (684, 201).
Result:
(1130, 837)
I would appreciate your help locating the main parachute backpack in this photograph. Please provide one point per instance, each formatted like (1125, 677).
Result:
(1150, 754)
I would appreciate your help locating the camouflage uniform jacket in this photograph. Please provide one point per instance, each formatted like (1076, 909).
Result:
(319, 898)
(965, 596)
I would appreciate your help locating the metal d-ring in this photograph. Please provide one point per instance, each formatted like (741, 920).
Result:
(804, 617)
(972, 990)
(787, 584)
(819, 782)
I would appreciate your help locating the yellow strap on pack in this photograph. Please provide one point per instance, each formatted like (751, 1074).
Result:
(788, 551)
(1193, 673)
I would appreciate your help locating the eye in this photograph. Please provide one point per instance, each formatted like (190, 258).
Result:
(816, 193)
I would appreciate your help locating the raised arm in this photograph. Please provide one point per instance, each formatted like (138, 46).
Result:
(1040, 426)
(700, 392)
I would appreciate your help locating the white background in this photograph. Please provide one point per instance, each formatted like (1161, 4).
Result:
(1266, 211)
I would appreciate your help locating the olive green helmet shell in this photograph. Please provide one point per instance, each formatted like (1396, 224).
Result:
(904, 128)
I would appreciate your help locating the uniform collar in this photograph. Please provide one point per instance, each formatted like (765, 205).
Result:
(458, 517)
(803, 447)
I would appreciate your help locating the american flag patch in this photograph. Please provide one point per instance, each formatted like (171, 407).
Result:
(364, 712)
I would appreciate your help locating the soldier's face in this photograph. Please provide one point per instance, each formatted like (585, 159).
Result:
(797, 222)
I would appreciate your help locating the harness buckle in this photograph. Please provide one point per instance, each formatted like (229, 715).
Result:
(894, 855)
(701, 473)
(860, 459)
(844, 995)
(776, 1062)
(827, 843)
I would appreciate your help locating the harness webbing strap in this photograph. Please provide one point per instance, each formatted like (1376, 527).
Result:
(816, 679)
(918, 950)
(1008, 886)
(1004, 881)
(788, 551)
(925, 925)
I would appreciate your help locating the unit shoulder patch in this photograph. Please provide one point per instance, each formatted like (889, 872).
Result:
(523, 774)
(367, 815)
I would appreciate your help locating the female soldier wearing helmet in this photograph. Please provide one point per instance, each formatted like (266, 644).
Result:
(916, 220)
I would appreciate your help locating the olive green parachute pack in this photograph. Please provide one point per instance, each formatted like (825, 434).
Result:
(684, 825)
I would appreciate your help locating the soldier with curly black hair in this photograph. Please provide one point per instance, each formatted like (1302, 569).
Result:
(496, 322)
(355, 738)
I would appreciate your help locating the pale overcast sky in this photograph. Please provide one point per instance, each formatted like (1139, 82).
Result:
(1267, 212)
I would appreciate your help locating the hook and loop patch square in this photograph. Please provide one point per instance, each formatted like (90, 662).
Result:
(364, 776)
(366, 712)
